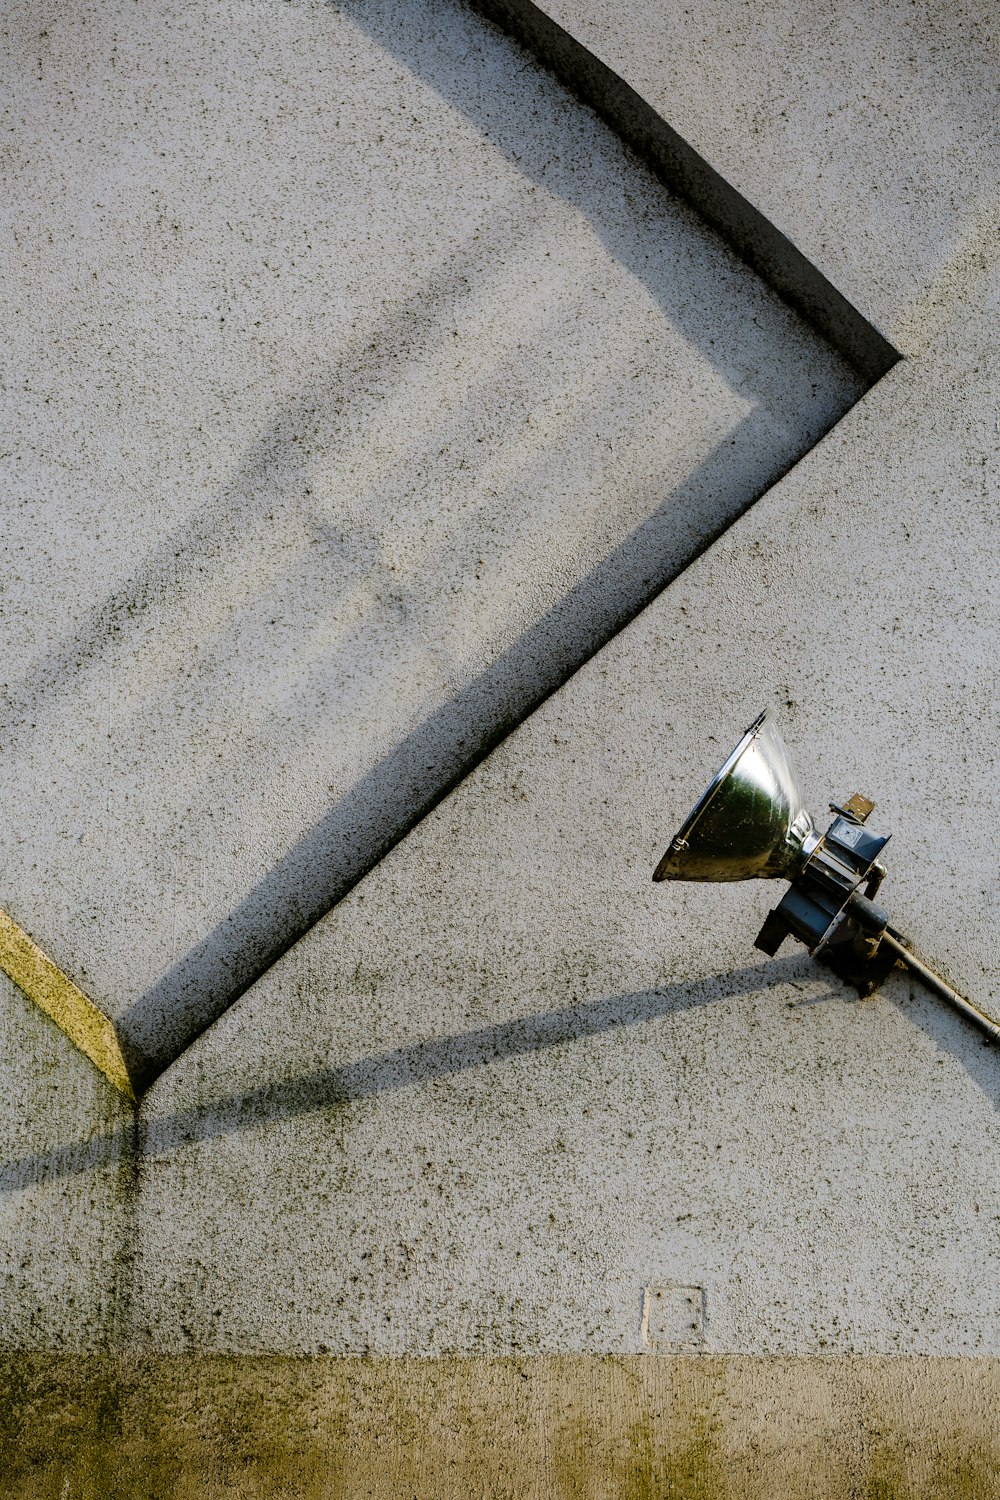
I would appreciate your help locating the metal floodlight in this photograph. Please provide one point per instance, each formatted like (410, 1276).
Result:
(752, 823)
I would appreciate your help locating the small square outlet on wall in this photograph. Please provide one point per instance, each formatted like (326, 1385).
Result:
(673, 1316)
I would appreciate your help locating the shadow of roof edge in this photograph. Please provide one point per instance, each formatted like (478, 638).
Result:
(754, 238)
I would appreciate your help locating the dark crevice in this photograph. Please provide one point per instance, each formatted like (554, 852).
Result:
(757, 242)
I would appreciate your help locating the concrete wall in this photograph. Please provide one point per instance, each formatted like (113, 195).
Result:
(358, 402)
(507, 1098)
(569, 1427)
(862, 129)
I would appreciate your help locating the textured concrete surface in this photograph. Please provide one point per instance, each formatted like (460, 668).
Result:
(342, 432)
(866, 130)
(632, 1429)
(757, 241)
(508, 1098)
(63, 1185)
(508, 1084)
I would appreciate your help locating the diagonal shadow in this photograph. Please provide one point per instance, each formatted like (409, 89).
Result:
(386, 803)
(754, 238)
(190, 557)
(947, 1028)
(186, 556)
(392, 798)
(757, 242)
(949, 1031)
(444, 1057)
(399, 1068)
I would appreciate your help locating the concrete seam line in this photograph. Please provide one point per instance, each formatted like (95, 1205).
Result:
(43, 982)
(758, 242)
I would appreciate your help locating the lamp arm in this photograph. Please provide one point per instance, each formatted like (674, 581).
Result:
(894, 941)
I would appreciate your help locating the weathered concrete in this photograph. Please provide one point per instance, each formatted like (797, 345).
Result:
(508, 1083)
(754, 237)
(632, 1429)
(45, 985)
(344, 432)
(865, 130)
(64, 1186)
(508, 1091)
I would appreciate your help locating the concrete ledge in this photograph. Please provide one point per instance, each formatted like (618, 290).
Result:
(866, 131)
(726, 1428)
(54, 992)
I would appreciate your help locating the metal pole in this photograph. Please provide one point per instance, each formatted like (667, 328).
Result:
(935, 982)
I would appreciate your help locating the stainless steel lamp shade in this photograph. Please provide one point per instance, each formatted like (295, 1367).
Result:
(750, 822)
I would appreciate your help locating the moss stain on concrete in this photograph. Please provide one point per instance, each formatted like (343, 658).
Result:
(578, 1427)
(672, 1465)
(952, 1473)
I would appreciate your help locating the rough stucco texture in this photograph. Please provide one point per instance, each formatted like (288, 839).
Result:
(363, 384)
(507, 1090)
(587, 1429)
(508, 1084)
(866, 130)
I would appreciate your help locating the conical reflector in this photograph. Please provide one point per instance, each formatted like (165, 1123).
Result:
(751, 821)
